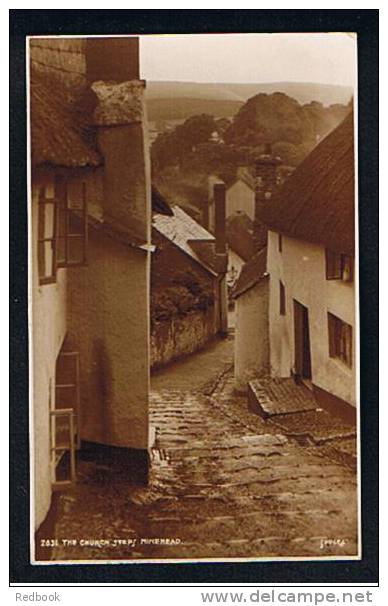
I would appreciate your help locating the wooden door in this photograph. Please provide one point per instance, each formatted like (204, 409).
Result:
(302, 341)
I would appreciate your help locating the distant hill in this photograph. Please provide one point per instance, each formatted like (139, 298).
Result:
(181, 108)
(179, 100)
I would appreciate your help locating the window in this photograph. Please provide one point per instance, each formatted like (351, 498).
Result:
(282, 299)
(47, 219)
(62, 229)
(339, 266)
(340, 340)
(280, 243)
(72, 223)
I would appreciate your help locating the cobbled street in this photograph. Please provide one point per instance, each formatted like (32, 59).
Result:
(224, 483)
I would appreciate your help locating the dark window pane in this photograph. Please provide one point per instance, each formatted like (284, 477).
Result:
(333, 266)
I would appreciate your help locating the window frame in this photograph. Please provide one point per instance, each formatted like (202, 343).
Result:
(340, 340)
(43, 202)
(61, 188)
(337, 264)
(60, 203)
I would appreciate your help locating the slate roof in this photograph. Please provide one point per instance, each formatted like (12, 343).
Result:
(181, 229)
(251, 273)
(206, 251)
(59, 134)
(316, 203)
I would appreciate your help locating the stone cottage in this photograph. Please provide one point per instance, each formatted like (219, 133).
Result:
(90, 234)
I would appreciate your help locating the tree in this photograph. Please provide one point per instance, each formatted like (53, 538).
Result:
(268, 119)
(170, 148)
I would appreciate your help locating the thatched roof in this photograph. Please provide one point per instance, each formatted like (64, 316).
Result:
(251, 273)
(316, 203)
(59, 134)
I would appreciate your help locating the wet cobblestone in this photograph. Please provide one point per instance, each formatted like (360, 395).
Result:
(224, 484)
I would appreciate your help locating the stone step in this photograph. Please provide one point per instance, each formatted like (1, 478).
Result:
(279, 397)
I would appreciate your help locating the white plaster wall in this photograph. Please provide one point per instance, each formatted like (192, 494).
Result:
(240, 197)
(251, 353)
(48, 328)
(109, 324)
(301, 268)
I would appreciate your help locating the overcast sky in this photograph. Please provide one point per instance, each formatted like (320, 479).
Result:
(326, 58)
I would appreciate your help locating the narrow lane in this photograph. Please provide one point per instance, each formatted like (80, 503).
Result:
(223, 484)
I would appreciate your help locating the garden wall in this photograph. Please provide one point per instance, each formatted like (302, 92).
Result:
(180, 336)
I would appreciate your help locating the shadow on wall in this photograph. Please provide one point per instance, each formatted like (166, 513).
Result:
(103, 391)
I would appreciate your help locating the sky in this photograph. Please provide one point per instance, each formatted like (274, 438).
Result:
(326, 58)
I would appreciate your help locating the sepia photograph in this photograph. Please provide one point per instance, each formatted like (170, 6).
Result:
(193, 297)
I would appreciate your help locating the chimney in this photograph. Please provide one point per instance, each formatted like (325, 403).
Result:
(112, 59)
(220, 227)
(266, 182)
(112, 70)
(209, 212)
(265, 168)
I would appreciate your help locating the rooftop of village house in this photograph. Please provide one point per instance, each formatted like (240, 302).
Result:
(252, 272)
(182, 230)
(59, 133)
(245, 175)
(316, 203)
(64, 115)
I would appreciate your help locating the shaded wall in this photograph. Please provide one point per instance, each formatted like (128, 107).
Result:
(251, 353)
(109, 322)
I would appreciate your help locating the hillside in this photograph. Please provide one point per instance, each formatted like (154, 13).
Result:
(169, 100)
(183, 107)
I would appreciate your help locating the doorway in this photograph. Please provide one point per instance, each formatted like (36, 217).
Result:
(302, 342)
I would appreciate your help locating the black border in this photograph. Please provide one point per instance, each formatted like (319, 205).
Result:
(40, 22)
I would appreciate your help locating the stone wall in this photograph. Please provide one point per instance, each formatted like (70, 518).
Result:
(180, 336)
